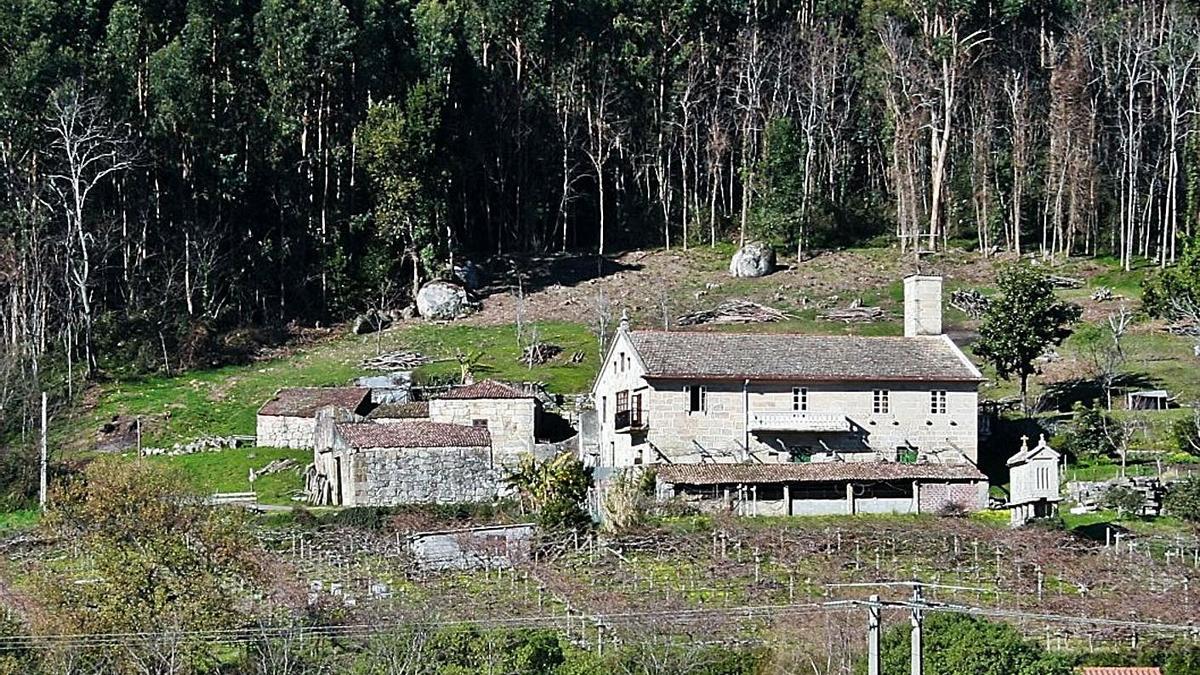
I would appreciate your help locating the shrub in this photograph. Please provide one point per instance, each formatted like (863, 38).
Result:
(1183, 501)
(1125, 501)
(1090, 434)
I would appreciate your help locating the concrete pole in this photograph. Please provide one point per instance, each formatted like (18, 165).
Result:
(874, 633)
(917, 649)
(44, 453)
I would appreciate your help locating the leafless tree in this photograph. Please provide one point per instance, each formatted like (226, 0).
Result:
(89, 151)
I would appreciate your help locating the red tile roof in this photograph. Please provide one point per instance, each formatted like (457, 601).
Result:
(485, 389)
(1137, 670)
(813, 472)
(306, 401)
(413, 434)
(766, 356)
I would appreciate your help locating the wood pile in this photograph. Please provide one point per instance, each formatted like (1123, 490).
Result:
(1064, 282)
(540, 352)
(970, 302)
(855, 313)
(732, 311)
(395, 361)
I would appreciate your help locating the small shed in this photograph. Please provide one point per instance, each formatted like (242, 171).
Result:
(487, 547)
(1152, 399)
(289, 418)
(1034, 482)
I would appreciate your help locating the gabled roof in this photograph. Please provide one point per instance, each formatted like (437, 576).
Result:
(485, 389)
(767, 356)
(812, 472)
(1027, 453)
(306, 401)
(413, 434)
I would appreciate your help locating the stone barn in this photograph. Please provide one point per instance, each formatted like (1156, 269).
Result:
(508, 413)
(411, 461)
(289, 418)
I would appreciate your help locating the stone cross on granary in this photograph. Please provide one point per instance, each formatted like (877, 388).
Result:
(1033, 482)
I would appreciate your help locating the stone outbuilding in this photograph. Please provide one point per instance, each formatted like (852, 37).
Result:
(825, 488)
(289, 418)
(410, 461)
(508, 413)
(1033, 482)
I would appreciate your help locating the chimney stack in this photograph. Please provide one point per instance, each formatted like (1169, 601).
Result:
(922, 305)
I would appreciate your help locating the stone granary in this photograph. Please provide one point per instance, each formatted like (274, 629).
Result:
(455, 451)
(1033, 482)
(289, 418)
(778, 400)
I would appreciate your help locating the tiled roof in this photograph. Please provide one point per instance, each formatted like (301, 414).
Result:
(410, 410)
(306, 401)
(693, 354)
(485, 389)
(1138, 670)
(413, 434)
(812, 472)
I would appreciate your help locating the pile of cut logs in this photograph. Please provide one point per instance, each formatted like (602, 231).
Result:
(395, 361)
(855, 313)
(733, 311)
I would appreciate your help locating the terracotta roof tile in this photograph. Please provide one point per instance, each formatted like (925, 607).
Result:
(413, 434)
(306, 401)
(694, 354)
(409, 410)
(485, 389)
(813, 472)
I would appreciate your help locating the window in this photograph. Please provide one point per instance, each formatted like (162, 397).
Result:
(937, 402)
(879, 401)
(603, 407)
(696, 398)
(479, 423)
(622, 401)
(622, 359)
(799, 398)
(638, 420)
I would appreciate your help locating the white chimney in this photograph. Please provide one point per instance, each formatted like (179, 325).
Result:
(922, 305)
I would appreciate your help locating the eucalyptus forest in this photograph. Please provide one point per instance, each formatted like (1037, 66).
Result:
(172, 170)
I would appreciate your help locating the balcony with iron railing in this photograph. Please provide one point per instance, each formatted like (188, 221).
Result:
(788, 420)
(628, 421)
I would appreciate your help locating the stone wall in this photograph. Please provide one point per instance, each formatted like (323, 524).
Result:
(510, 421)
(279, 431)
(390, 476)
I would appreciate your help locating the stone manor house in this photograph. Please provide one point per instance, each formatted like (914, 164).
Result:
(796, 424)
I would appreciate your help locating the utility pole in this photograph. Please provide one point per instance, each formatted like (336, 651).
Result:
(918, 601)
(42, 470)
(874, 633)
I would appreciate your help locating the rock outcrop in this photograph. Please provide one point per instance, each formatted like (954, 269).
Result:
(754, 259)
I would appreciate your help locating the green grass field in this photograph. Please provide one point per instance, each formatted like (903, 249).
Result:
(229, 471)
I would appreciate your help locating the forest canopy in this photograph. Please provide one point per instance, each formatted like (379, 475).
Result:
(171, 170)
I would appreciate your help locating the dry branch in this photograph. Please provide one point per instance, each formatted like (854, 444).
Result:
(733, 311)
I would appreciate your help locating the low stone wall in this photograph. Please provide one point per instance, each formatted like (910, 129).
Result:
(386, 477)
(935, 497)
(279, 431)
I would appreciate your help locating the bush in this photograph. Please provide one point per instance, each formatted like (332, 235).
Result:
(956, 644)
(1088, 434)
(1125, 501)
(1183, 501)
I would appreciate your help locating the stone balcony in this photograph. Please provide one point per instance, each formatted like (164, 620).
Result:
(798, 421)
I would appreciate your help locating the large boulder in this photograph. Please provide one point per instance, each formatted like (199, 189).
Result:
(468, 274)
(754, 259)
(441, 300)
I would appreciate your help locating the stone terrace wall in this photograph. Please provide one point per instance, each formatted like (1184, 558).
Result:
(936, 496)
(279, 431)
(390, 476)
